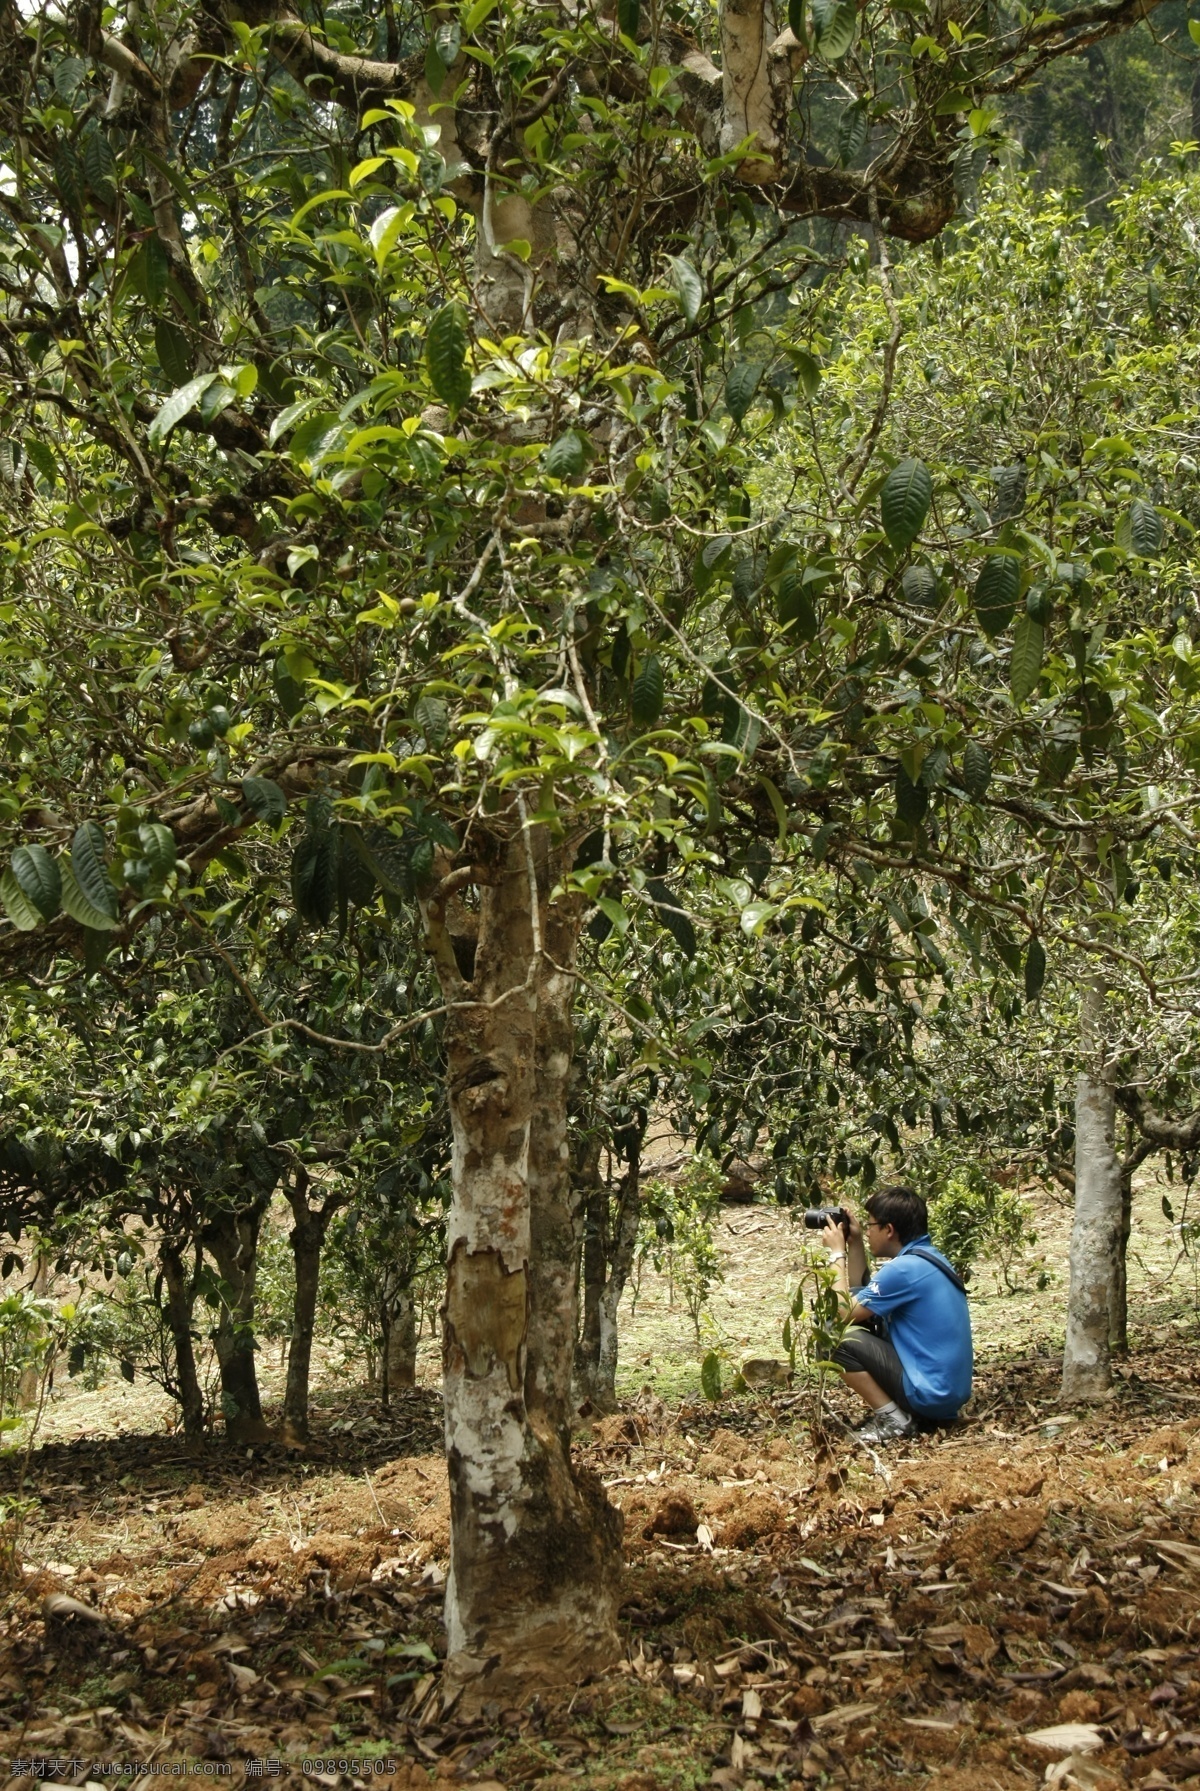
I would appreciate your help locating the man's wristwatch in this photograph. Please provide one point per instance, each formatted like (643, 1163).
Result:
(837, 1256)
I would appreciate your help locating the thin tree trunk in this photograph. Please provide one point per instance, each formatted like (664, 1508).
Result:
(180, 1302)
(535, 1546)
(309, 1229)
(1118, 1333)
(1096, 1228)
(400, 1344)
(599, 1351)
(232, 1239)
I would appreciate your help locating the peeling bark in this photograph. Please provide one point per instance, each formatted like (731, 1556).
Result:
(756, 87)
(399, 1367)
(1096, 1227)
(533, 1587)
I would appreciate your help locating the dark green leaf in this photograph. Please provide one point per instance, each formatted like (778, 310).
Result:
(150, 270)
(67, 75)
(648, 691)
(431, 715)
(1035, 969)
(797, 21)
(687, 287)
(174, 352)
(837, 27)
(289, 691)
(314, 877)
(629, 17)
(16, 904)
(567, 457)
(158, 850)
(264, 798)
(99, 165)
(447, 41)
(912, 799)
(91, 872)
(977, 770)
(42, 456)
(919, 585)
(904, 502)
(356, 879)
(710, 1375)
(38, 876)
(435, 69)
(996, 591)
(808, 371)
(446, 356)
(1140, 530)
(389, 858)
(741, 383)
(1025, 666)
(69, 176)
(851, 132)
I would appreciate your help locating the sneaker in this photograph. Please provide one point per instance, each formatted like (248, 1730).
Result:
(888, 1427)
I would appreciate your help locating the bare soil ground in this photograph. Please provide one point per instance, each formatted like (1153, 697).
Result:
(1011, 1604)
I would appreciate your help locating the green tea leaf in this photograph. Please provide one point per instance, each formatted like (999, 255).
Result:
(741, 383)
(1035, 969)
(91, 873)
(177, 407)
(174, 352)
(17, 906)
(39, 880)
(1025, 666)
(446, 356)
(996, 592)
(977, 770)
(265, 800)
(648, 691)
(314, 877)
(567, 457)
(837, 27)
(687, 287)
(904, 502)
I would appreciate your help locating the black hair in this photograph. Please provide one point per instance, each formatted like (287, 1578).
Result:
(903, 1208)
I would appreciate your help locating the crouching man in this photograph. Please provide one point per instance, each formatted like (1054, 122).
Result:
(907, 1353)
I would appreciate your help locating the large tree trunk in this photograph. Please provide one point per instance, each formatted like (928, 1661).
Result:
(1099, 1205)
(535, 1546)
(307, 1239)
(181, 1300)
(232, 1239)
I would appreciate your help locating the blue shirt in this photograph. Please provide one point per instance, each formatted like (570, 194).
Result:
(929, 1326)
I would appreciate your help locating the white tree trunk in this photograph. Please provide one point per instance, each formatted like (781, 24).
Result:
(535, 1546)
(1097, 1224)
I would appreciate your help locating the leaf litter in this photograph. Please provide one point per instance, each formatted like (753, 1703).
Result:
(1015, 1604)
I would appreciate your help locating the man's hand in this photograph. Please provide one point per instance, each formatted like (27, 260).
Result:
(856, 1229)
(834, 1238)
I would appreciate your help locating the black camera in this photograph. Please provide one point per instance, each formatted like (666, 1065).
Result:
(816, 1218)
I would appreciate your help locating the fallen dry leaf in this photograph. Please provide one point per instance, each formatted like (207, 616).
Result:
(1067, 1738)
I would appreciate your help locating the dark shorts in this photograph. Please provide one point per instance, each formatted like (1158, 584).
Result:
(862, 1352)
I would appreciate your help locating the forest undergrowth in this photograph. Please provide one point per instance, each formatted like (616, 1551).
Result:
(1012, 1603)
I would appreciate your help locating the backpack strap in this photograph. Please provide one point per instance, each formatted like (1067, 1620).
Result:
(947, 1271)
